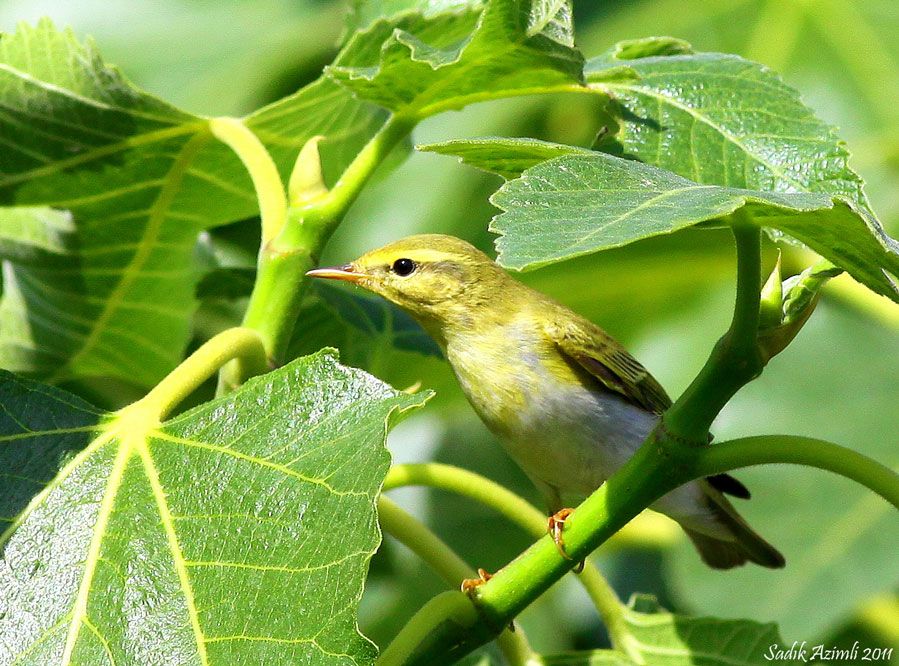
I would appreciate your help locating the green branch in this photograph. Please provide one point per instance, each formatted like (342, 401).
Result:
(521, 512)
(658, 467)
(642, 480)
(768, 449)
(451, 568)
(423, 542)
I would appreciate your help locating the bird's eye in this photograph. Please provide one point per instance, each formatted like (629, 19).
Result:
(403, 267)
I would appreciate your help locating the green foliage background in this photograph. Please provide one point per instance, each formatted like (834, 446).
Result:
(667, 298)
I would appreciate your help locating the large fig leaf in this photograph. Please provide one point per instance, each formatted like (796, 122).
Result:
(581, 203)
(139, 179)
(237, 532)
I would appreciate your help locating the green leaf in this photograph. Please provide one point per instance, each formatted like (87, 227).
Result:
(227, 283)
(140, 179)
(419, 65)
(365, 12)
(665, 639)
(505, 157)
(722, 120)
(81, 138)
(237, 532)
(42, 428)
(646, 47)
(32, 234)
(577, 204)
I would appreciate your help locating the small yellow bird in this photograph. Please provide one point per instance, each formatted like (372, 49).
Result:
(568, 402)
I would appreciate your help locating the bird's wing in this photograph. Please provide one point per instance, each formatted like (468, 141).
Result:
(600, 355)
(610, 363)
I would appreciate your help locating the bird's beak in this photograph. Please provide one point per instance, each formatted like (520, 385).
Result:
(347, 273)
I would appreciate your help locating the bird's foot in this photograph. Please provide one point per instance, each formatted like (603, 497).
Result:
(470, 584)
(555, 524)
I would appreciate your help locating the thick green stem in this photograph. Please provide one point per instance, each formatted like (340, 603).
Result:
(768, 449)
(448, 565)
(736, 359)
(643, 479)
(296, 246)
(660, 465)
(521, 512)
(277, 295)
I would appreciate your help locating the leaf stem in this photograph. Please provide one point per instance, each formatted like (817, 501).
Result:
(435, 618)
(736, 359)
(242, 344)
(262, 169)
(472, 485)
(520, 512)
(640, 481)
(448, 565)
(423, 542)
(768, 449)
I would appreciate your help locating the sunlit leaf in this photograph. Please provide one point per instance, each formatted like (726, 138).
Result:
(152, 545)
(79, 137)
(35, 234)
(365, 12)
(505, 157)
(577, 204)
(139, 180)
(419, 65)
(661, 638)
(719, 119)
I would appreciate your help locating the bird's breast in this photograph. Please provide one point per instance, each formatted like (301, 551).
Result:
(559, 430)
(504, 373)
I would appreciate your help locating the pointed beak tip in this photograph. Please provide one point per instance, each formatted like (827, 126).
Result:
(346, 273)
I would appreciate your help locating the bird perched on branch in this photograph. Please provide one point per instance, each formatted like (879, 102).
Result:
(568, 402)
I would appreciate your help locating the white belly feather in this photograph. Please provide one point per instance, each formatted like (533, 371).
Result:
(567, 439)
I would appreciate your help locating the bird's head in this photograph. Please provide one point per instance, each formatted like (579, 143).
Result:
(440, 280)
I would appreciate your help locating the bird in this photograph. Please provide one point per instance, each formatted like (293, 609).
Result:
(568, 403)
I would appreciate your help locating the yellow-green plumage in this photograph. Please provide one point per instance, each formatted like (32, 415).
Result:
(568, 402)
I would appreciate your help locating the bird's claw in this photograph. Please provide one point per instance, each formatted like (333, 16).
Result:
(555, 524)
(470, 584)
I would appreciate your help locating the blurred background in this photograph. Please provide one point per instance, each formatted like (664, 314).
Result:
(667, 299)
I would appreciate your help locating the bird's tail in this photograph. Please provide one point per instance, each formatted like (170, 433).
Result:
(743, 543)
